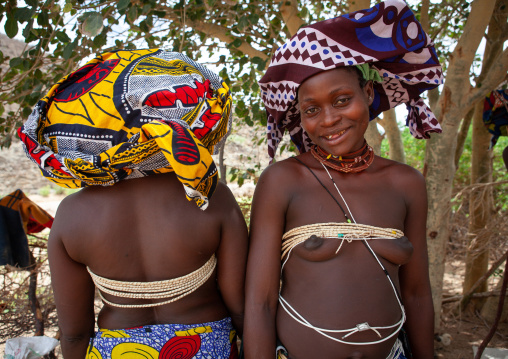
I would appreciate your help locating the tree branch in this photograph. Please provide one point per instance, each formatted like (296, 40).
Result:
(494, 77)
(424, 15)
(220, 33)
(392, 132)
(289, 12)
(460, 63)
(355, 5)
(467, 296)
(474, 30)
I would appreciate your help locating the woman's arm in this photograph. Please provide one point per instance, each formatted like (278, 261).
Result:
(264, 264)
(232, 257)
(73, 290)
(414, 276)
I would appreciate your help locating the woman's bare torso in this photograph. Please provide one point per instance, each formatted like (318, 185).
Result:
(339, 291)
(146, 230)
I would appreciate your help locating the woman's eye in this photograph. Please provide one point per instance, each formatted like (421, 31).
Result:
(341, 101)
(310, 111)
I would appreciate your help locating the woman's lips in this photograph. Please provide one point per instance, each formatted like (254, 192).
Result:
(335, 136)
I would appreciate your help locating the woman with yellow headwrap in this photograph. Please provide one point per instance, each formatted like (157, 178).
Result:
(156, 255)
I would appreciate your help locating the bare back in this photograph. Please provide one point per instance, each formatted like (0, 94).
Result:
(146, 230)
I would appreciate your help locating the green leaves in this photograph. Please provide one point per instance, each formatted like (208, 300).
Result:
(132, 14)
(68, 51)
(261, 64)
(122, 5)
(23, 14)
(91, 24)
(11, 26)
(62, 36)
(243, 23)
(99, 41)
(237, 43)
(16, 62)
(67, 7)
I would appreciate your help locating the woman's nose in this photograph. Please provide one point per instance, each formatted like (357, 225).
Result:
(331, 116)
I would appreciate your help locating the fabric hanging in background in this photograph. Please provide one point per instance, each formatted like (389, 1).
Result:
(19, 216)
(495, 114)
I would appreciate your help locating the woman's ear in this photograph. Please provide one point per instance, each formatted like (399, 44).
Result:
(368, 89)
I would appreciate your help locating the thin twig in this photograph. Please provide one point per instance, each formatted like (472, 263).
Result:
(467, 296)
(455, 298)
(500, 305)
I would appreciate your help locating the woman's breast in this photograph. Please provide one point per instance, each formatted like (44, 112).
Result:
(318, 249)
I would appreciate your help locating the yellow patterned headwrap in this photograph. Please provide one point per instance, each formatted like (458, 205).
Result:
(128, 114)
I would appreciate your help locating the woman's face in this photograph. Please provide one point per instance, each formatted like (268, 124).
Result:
(335, 110)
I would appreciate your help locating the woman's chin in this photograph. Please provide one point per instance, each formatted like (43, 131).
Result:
(339, 147)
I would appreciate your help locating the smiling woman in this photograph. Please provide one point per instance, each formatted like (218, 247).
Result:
(340, 232)
(335, 120)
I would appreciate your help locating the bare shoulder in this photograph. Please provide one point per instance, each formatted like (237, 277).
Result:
(399, 173)
(68, 218)
(68, 208)
(224, 207)
(280, 173)
(222, 197)
(407, 181)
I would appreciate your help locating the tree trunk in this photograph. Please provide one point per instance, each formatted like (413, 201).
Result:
(389, 123)
(222, 165)
(373, 137)
(489, 309)
(481, 201)
(480, 206)
(453, 104)
(461, 140)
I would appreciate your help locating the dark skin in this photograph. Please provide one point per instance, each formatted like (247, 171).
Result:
(337, 291)
(144, 230)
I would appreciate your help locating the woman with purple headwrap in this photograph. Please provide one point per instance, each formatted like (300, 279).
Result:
(338, 262)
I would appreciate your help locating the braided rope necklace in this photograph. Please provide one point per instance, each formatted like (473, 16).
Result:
(353, 162)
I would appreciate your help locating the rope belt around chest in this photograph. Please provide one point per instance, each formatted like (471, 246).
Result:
(343, 231)
(174, 289)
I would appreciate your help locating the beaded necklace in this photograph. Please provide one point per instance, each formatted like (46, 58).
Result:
(353, 162)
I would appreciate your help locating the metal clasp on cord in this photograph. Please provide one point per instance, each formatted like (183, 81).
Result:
(361, 328)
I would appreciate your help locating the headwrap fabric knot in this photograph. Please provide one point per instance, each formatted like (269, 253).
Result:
(386, 38)
(368, 73)
(128, 114)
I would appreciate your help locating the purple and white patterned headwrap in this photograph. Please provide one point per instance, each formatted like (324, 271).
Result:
(387, 36)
